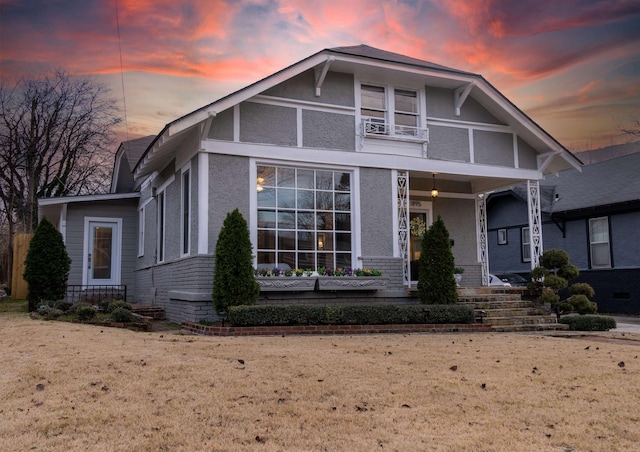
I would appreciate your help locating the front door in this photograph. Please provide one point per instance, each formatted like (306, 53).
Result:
(102, 257)
(419, 220)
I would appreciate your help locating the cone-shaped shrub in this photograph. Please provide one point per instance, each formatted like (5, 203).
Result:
(436, 284)
(233, 280)
(46, 266)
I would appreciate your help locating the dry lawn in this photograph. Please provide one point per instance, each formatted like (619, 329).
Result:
(78, 387)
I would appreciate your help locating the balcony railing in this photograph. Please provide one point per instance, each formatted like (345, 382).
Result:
(95, 294)
(376, 128)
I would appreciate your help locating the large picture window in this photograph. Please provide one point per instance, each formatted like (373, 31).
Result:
(304, 217)
(599, 242)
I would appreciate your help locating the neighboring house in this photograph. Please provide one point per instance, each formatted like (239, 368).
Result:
(593, 215)
(329, 160)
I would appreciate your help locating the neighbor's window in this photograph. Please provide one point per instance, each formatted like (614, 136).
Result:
(526, 245)
(304, 217)
(502, 236)
(599, 242)
(141, 221)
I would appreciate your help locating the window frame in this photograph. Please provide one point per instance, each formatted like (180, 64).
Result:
(503, 237)
(389, 128)
(141, 229)
(609, 264)
(525, 245)
(185, 211)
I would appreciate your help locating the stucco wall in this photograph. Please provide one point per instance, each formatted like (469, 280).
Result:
(440, 105)
(448, 143)
(376, 212)
(269, 124)
(459, 218)
(328, 130)
(337, 89)
(222, 126)
(493, 148)
(527, 156)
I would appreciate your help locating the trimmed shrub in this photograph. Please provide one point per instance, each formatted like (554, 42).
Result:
(85, 312)
(233, 281)
(582, 289)
(348, 315)
(436, 283)
(589, 322)
(121, 314)
(53, 313)
(64, 306)
(117, 305)
(46, 266)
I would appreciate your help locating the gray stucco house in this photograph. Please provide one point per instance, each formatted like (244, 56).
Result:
(593, 215)
(330, 160)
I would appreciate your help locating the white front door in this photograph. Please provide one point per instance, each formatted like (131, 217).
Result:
(102, 252)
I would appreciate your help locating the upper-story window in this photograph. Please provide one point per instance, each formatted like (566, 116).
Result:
(392, 112)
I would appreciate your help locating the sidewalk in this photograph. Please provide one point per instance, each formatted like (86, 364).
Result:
(627, 324)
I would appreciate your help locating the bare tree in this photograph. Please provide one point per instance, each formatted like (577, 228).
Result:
(56, 139)
(633, 129)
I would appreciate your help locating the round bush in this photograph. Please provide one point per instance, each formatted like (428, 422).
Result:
(85, 312)
(118, 304)
(53, 313)
(121, 315)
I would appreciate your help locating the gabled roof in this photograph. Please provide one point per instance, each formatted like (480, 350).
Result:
(127, 156)
(552, 155)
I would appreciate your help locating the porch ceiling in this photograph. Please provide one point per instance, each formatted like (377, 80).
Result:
(458, 183)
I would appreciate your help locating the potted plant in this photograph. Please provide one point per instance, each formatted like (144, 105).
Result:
(457, 275)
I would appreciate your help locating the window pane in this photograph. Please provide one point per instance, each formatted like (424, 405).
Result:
(305, 220)
(307, 261)
(343, 201)
(343, 260)
(286, 240)
(372, 97)
(286, 219)
(324, 200)
(285, 259)
(286, 177)
(305, 241)
(266, 176)
(599, 230)
(343, 222)
(373, 113)
(324, 221)
(406, 120)
(266, 257)
(325, 260)
(305, 199)
(305, 179)
(342, 182)
(267, 240)
(325, 241)
(286, 198)
(324, 180)
(267, 197)
(600, 255)
(266, 219)
(343, 242)
(406, 101)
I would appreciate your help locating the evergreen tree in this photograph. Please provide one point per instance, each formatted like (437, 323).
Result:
(436, 284)
(233, 280)
(46, 266)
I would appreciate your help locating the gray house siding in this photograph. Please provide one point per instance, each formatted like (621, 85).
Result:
(440, 105)
(222, 126)
(448, 143)
(315, 125)
(75, 236)
(337, 89)
(493, 148)
(268, 124)
(526, 155)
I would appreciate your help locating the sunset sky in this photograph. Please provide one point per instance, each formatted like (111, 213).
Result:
(572, 65)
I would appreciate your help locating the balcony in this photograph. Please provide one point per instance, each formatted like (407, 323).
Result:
(376, 128)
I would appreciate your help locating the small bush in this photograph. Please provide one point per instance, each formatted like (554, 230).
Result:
(64, 306)
(121, 314)
(348, 315)
(589, 322)
(43, 309)
(582, 289)
(116, 305)
(53, 313)
(85, 312)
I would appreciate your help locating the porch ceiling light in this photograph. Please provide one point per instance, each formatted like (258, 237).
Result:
(434, 190)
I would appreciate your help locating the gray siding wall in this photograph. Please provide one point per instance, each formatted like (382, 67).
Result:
(222, 126)
(376, 212)
(328, 130)
(459, 218)
(440, 105)
(337, 89)
(526, 155)
(270, 124)
(625, 245)
(150, 229)
(225, 172)
(448, 143)
(493, 148)
(124, 209)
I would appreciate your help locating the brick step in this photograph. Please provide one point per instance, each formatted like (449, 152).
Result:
(521, 320)
(530, 327)
(155, 312)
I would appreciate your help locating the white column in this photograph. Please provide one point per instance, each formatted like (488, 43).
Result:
(403, 222)
(535, 222)
(483, 250)
(203, 203)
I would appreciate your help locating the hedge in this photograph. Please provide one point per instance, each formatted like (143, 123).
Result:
(589, 322)
(262, 315)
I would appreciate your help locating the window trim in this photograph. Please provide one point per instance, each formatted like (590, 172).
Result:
(141, 224)
(592, 243)
(185, 216)
(503, 237)
(161, 232)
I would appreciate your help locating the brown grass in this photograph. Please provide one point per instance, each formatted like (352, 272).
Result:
(78, 387)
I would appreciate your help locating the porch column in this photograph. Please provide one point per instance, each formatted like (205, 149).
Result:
(483, 251)
(402, 184)
(535, 222)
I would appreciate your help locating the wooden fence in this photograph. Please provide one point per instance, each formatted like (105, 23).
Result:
(19, 288)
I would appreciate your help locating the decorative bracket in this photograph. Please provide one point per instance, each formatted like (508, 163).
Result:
(460, 95)
(321, 73)
(544, 160)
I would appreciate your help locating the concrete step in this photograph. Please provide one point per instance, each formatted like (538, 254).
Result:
(504, 304)
(521, 320)
(515, 312)
(155, 312)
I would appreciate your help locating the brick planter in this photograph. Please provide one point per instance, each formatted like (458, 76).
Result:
(203, 330)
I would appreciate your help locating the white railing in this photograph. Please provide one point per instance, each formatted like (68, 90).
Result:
(377, 128)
